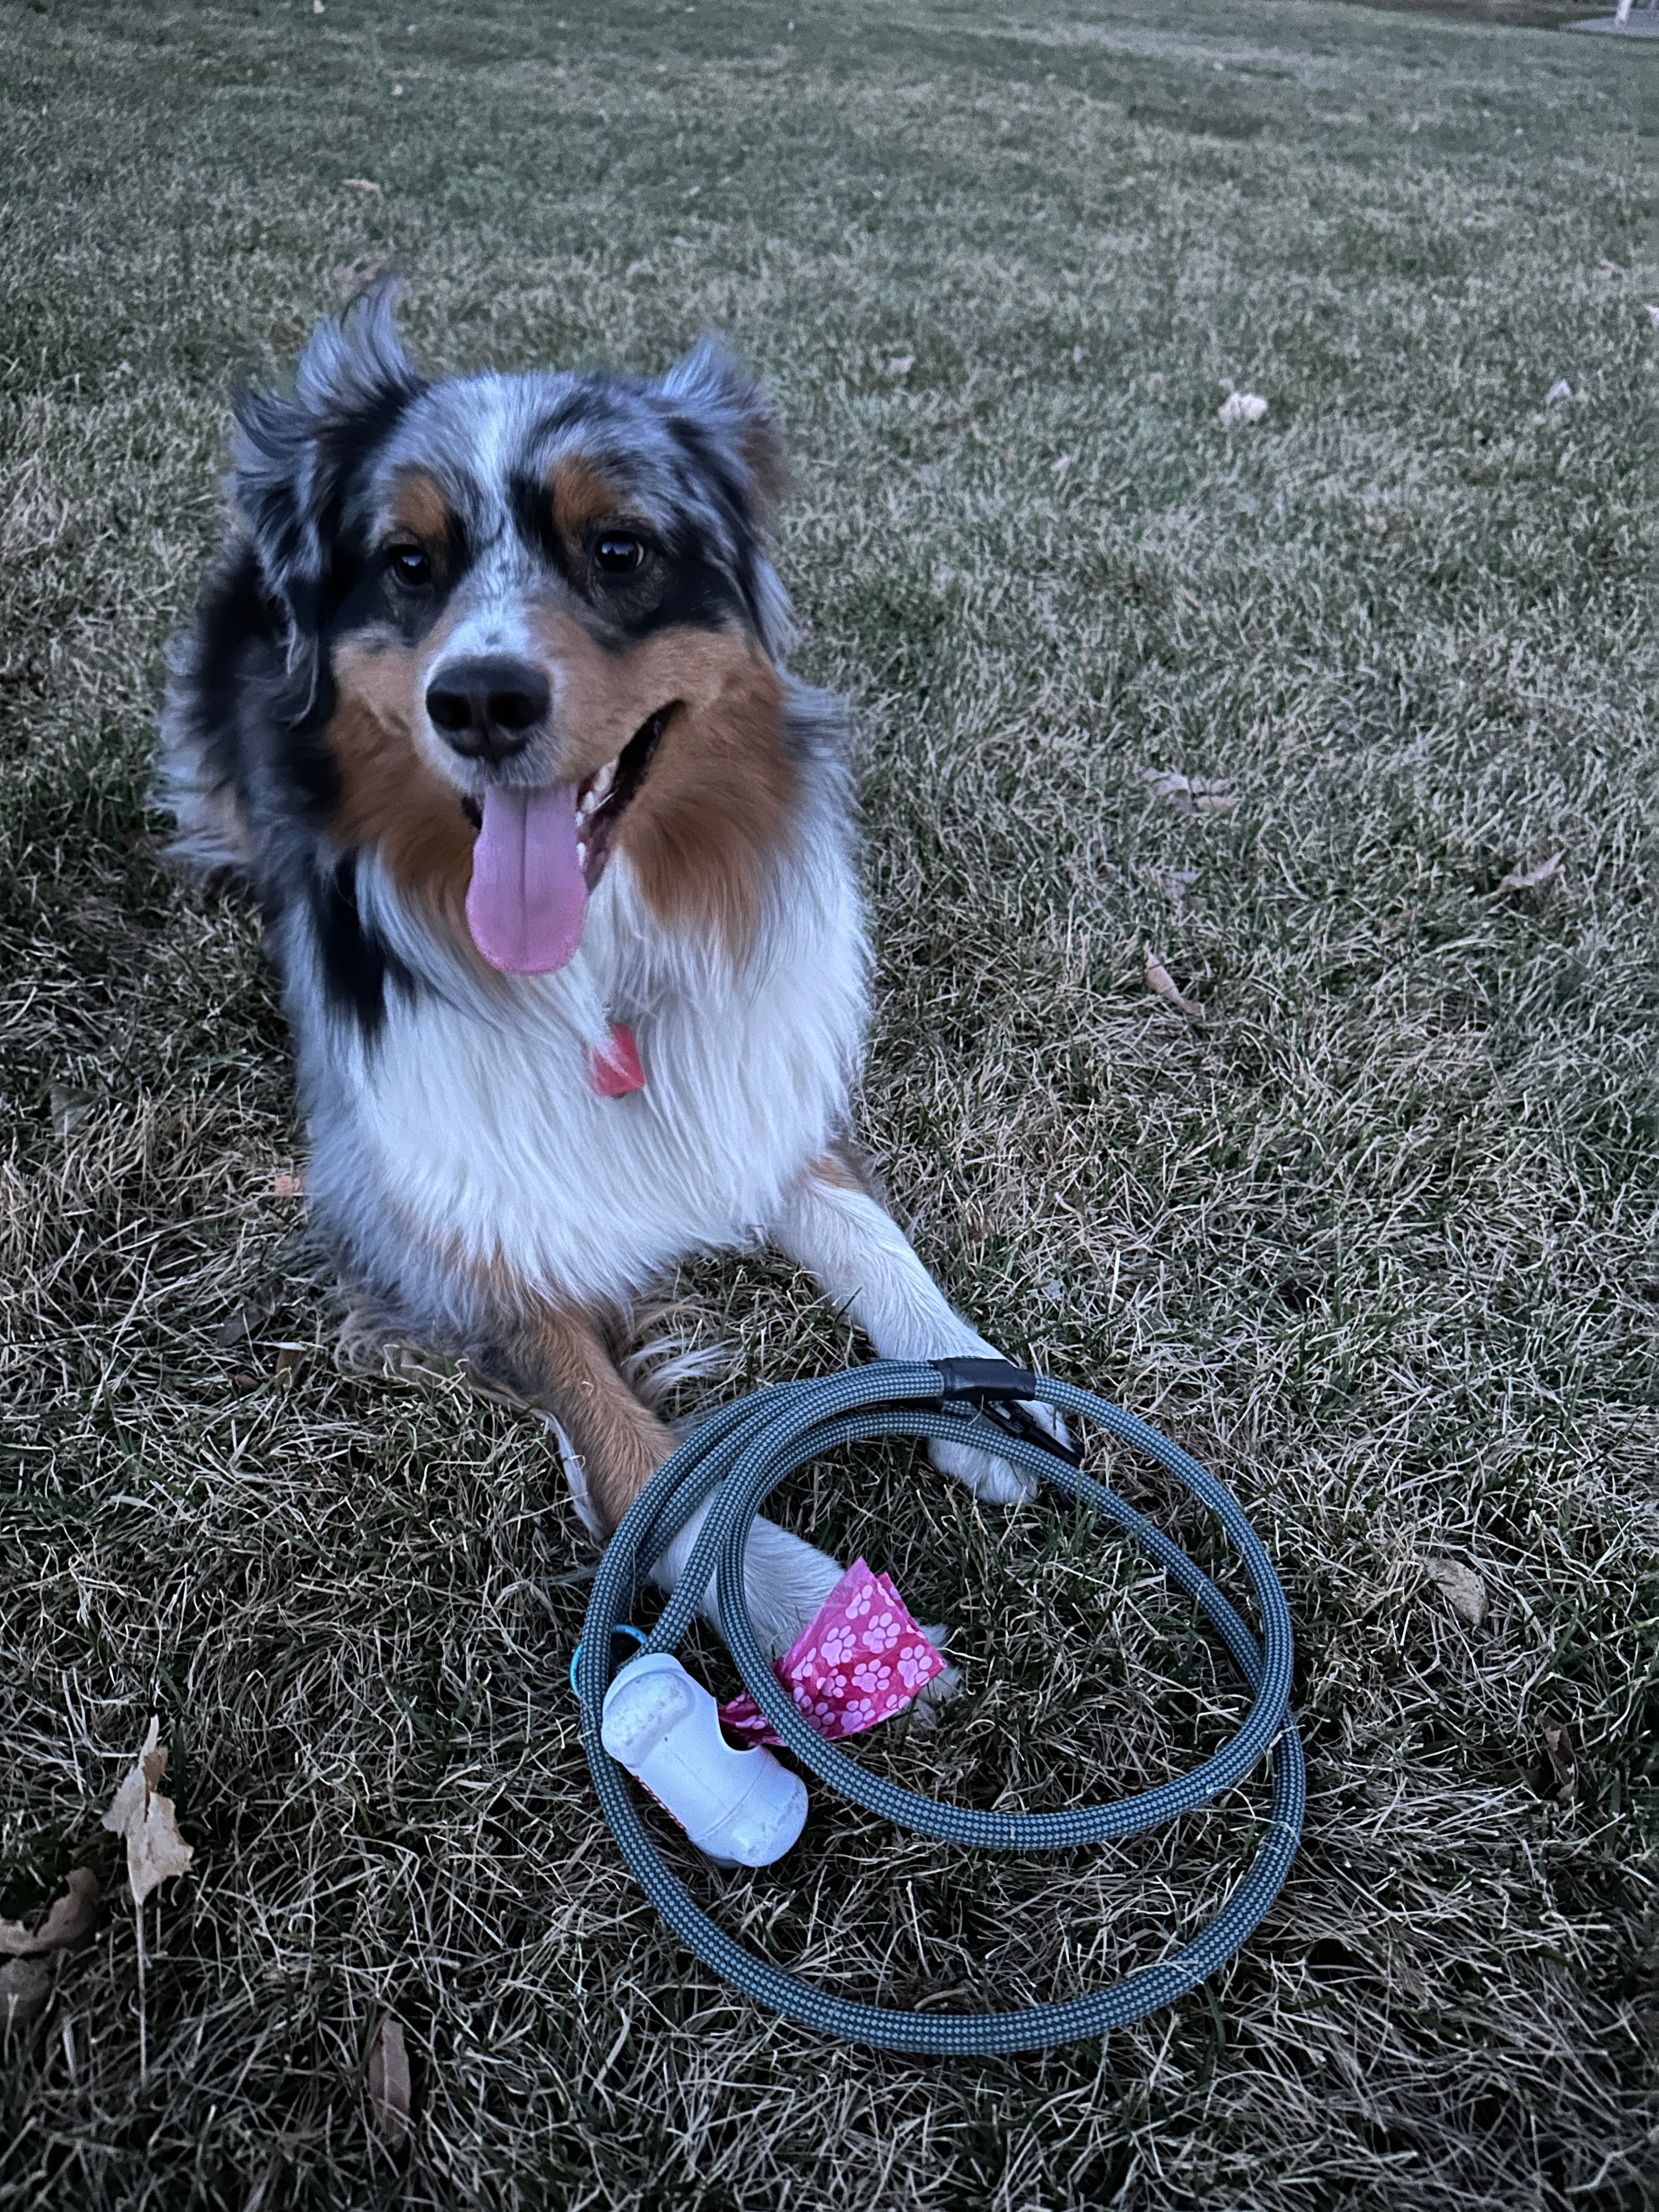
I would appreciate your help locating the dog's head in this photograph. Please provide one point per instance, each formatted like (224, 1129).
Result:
(537, 616)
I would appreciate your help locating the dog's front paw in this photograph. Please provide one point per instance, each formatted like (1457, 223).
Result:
(998, 1481)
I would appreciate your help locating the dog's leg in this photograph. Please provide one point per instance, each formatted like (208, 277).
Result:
(615, 1445)
(836, 1227)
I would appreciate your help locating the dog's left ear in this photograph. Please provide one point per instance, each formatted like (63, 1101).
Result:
(293, 454)
(709, 384)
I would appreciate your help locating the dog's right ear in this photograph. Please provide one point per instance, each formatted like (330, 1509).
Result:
(292, 455)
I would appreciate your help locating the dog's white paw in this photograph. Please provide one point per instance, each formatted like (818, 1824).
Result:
(998, 1481)
(785, 1580)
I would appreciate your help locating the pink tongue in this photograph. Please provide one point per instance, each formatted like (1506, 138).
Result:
(527, 898)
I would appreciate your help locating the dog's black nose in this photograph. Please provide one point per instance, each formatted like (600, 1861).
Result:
(488, 707)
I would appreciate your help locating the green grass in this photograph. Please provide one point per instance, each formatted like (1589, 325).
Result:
(1377, 1240)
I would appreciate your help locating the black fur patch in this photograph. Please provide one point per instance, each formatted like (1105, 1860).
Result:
(356, 966)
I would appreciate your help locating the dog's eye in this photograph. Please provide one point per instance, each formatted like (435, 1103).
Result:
(411, 566)
(619, 556)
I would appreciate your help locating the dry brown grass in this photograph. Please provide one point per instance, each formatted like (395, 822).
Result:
(1377, 1240)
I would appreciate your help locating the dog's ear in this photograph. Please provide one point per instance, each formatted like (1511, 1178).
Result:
(709, 385)
(291, 453)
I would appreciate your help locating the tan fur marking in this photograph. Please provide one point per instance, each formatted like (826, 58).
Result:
(389, 795)
(421, 509)
(844, 1168)
(715, 808)
(581, 499)
(560, 1358)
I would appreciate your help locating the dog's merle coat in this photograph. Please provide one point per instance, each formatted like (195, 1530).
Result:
(433, 594)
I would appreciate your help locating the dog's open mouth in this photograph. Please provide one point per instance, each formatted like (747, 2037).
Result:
(541, 850)
(602, 800)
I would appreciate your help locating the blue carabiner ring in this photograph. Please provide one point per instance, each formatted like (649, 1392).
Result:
(622, 1628)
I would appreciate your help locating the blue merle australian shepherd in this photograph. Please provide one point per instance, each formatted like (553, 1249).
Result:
(485, 698)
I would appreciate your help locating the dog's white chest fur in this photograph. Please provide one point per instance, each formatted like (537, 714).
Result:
(480, 1124)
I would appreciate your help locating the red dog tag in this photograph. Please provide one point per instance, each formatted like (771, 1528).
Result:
(617, 1071)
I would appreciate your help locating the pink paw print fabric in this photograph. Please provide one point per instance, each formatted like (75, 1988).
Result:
(860, 1660)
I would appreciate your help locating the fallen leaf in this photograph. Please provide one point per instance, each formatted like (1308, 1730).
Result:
(24, 1988)
(1160, 979)
(1653, 312)
(360, 184)
(1176, 883)
(69, 1107)
(289, 1186)
(901, 364)
(1462, 1589)
(240, 1325)
(1377, 524)
(1241, 407)
(388, 2081)
(1560, 389)
(72, 1919)
(289, 1357)
(156, 1850)
(1528, 879)
(1189, 795)
(1562, 1753)
(1061, 465)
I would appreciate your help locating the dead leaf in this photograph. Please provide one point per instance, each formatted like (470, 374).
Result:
(388, 2081)
(1176, 883)
(289, 1186)
(72, 1919)
(1377, 524)
(248, 1317)
(69, 1107)
(1160, 979)
(353, 276)
(901, 364)
(1562, 1753)
(1463, 1590)
(288, 1357)
(360, 184)
(156, 1850)
(1241, 407)
(1061, 467)
(25, 1990)
(1189, 795)
(1528, 879)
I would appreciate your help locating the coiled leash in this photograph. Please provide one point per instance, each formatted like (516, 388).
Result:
(735, 1461)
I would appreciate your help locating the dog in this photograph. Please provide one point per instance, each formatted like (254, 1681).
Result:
(485, 699)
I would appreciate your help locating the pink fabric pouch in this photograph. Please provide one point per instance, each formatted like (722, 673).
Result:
(860, 1660)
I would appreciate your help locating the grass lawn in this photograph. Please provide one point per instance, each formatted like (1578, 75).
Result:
(1375, 1239)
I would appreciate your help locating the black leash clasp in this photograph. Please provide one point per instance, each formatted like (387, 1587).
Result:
(994, 1387)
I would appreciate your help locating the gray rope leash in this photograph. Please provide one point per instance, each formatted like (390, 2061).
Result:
(736, 1460)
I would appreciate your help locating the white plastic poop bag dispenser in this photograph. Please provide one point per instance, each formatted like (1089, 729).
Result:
(740, 1808)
